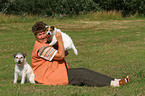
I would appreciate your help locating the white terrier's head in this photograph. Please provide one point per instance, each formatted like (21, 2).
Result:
(49, 30)
(19, 58)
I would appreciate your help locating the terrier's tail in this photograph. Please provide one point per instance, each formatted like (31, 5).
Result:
(74, 49)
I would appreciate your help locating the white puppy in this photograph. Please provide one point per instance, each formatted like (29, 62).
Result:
(67, 41)
(22, 69)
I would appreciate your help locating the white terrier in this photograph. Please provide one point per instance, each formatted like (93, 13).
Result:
(22, 69)
(67, 41)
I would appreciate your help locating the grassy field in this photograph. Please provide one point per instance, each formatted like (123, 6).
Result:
(113, 46)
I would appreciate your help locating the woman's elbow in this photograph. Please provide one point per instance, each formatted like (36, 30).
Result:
(59, 57)
(62, 57)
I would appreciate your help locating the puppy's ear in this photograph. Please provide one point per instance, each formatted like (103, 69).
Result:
(24, 54)
(52, 27)
(14, 55)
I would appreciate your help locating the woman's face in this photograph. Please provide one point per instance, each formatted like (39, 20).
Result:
(41, 37)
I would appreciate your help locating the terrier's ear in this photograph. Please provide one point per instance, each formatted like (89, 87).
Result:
(52, 27)
(24, 54)
(14, 55)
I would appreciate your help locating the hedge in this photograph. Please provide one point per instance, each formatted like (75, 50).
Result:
(70, 7)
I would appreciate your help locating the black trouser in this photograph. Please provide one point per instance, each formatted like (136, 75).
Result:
(83, 76)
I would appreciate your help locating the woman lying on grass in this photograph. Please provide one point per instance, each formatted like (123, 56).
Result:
(50, 67)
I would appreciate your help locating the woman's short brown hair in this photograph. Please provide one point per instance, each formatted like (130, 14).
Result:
(39, 27)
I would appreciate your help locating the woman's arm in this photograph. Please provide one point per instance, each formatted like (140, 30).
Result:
(60, 55)
(49, 53)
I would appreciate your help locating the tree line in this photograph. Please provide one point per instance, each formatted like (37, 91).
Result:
(52, 8)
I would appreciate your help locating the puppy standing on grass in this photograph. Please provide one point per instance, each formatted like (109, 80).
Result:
(67, 41)
(22, 69)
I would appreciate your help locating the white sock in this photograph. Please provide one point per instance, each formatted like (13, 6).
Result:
(115, 83)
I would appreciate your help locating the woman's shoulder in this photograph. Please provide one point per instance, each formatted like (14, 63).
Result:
(38, 45)
(41, 44)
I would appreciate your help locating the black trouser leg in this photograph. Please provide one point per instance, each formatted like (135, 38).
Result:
(83, 76)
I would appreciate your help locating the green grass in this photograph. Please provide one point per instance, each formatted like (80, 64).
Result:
(114, 47)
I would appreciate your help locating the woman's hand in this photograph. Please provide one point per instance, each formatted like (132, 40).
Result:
(58, 36)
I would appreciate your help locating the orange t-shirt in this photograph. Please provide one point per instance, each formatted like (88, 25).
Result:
(48, 72)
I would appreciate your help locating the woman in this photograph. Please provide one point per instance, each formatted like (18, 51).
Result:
(50, 68)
